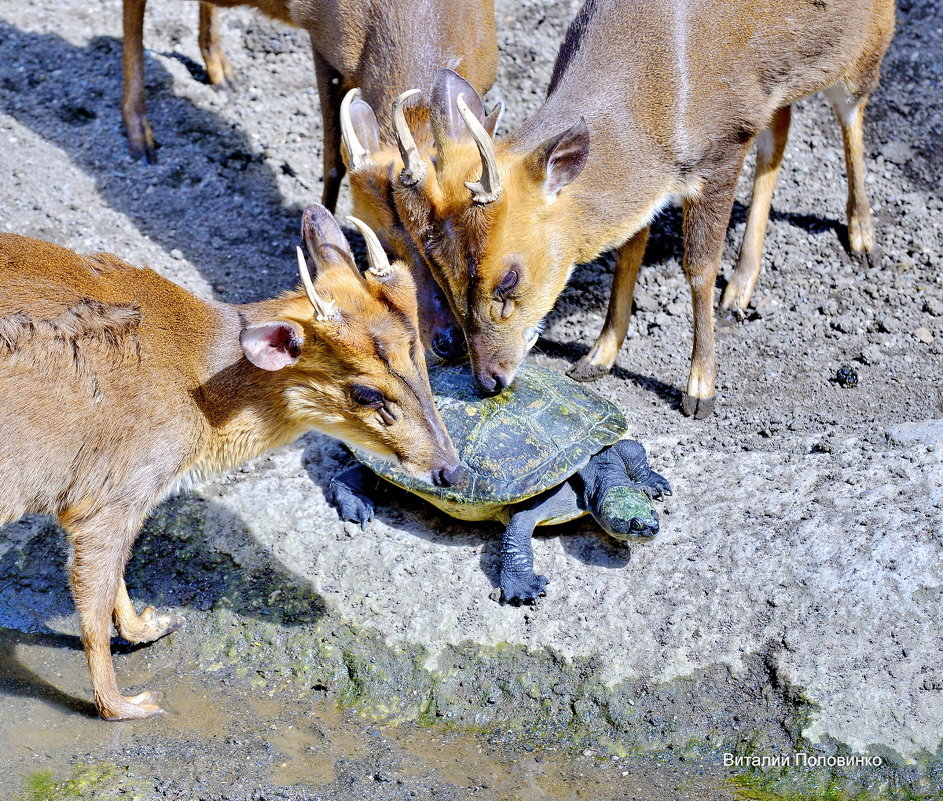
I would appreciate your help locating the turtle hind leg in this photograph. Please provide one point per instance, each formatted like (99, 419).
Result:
(349, 493)
(617, 489)
(519, 583)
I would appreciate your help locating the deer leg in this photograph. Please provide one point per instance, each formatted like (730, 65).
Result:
(146, 627)
(331, 93)
(850, 114)
(602, 356)
(770, 145)
(705, 226)
(100, 547)
(133, 103)
(218, 69)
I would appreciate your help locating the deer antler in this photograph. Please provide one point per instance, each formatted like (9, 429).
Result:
(356, 152)
(487, 188)
(324, 309)
(414, 168)
(380, 266)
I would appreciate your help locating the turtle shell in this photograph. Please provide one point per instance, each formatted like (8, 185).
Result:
(530, 437)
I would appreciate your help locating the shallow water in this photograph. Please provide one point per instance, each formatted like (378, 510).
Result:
(223, 738)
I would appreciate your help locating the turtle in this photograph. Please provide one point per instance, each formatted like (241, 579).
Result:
(545, 450)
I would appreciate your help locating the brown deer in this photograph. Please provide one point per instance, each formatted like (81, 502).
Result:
(383, 48)
(118, 387)
(648, 101)
(375, 160)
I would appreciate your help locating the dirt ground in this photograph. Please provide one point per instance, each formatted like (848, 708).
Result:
(793, 598)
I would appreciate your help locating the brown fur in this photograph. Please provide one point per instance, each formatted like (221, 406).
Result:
(372, 187)
(673, 95)
(384, 48)
(118, 386)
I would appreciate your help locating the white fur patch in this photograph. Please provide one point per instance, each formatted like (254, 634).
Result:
(844, 106)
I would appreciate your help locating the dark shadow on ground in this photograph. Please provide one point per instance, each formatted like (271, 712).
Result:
(16, 680)
(574, 351)
(182, 559)
(211, 195)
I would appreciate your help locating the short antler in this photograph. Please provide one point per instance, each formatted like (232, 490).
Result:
(324, 309)
(356, 152)
(414, 168)
(380, 266)
(487, 188)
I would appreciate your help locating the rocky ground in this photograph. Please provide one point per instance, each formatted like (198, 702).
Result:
(791, 602)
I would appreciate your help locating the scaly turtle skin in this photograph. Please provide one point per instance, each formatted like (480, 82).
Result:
(544, 451)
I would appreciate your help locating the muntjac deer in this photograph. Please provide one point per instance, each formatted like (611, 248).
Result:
(648, 101)
(383, 48)
(376, 160)
(118, 387)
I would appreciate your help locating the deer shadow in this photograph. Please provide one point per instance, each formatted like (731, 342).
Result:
(212, 196)
(181, 559)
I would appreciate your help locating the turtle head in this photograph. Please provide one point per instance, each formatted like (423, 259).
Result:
(626, 513)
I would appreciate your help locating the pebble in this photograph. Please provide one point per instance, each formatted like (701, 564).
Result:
(177, 254)
(846, 377)
(897, 152)
(924, 335)
(871, 354)
(933, 307)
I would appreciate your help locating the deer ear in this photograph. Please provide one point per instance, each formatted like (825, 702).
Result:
(365, 125)
(559, 161)
(443, 111)
(324, 241)
(493, 119)
(272, 346)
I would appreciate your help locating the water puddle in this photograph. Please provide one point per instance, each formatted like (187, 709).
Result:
(224, 737)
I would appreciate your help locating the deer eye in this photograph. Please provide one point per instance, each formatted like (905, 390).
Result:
(507, 283)
(367, 396)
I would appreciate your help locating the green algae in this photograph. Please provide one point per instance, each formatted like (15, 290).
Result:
(84, 783)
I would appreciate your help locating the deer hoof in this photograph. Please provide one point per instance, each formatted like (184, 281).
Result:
(585, 370)
(146, 152)
(731, 316)
(872, 258)
(134, 708)
(698, 408)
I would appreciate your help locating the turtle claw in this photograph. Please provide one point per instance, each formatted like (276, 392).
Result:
(351, 506)
(656, 486)
(518, 590)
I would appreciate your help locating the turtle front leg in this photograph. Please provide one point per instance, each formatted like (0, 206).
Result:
(617, 488)
(519, 583)
(637, 469)
(349, 493)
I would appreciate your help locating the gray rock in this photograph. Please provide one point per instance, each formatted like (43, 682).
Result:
(924, 432)
(897, 152)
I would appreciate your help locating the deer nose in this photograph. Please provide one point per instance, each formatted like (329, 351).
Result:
(492, 381)
(449, 343)
(449, 476)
